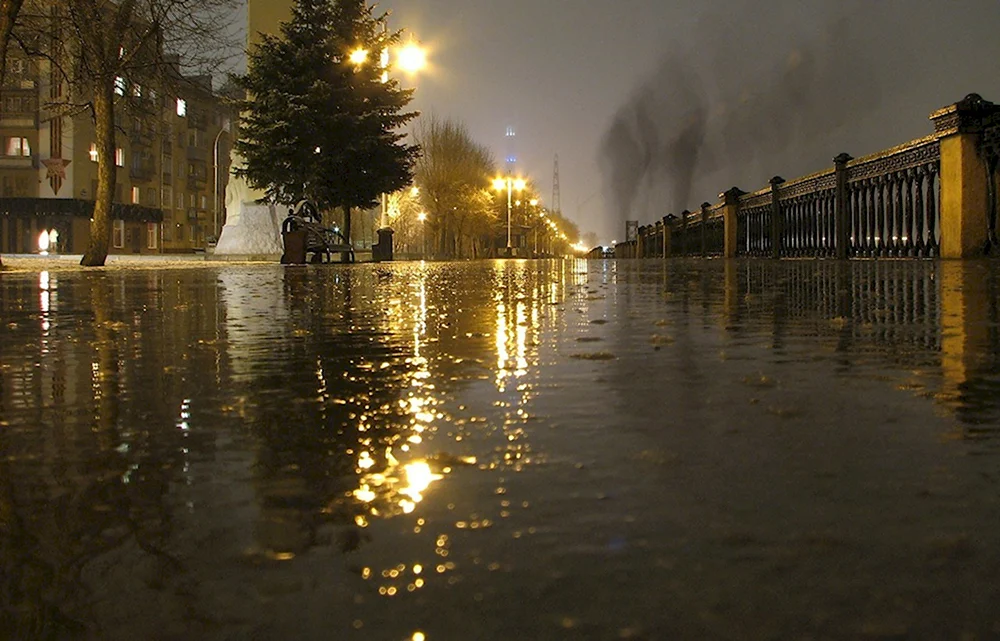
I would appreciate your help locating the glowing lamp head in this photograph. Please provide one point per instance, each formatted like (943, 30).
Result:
(411, 58)
(533, 202)
(520, 184)
(359, 56)
(422, 216)
(499, 184)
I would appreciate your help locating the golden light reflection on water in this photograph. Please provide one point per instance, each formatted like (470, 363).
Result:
(388, 485)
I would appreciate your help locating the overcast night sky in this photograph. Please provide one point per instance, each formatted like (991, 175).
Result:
(654, 106)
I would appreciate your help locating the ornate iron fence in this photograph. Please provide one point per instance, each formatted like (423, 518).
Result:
(889, 204)
(894, 201)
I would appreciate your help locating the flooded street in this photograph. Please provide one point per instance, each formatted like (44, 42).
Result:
(501, 450)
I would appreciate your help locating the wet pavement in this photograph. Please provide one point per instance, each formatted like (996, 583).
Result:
(501, 450)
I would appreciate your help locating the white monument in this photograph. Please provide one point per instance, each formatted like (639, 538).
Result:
(253, 228)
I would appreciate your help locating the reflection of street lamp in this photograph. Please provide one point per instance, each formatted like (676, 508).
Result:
(511, 184)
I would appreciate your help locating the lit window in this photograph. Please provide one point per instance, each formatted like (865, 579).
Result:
(93, 152)
(118, 234)
(182, 107)
(136, 197)
(204, 202)
(119, 86)
(18, 147)
(120, 157)
(152, 235)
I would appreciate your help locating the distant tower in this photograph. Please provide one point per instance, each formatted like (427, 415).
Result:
(556, 197)
(510, 139)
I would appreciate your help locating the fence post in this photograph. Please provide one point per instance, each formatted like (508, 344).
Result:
(704, 229)
(640, 240)
(731, 217)
(776, 222)
(841, 203)
(965, 188)
(667, 230)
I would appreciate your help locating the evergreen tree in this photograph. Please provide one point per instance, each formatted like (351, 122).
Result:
(319, 123)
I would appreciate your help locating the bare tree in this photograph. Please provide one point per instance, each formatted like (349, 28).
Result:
(452, 175)
(124, 56)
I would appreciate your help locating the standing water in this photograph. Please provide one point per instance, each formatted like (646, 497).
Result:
(501, 450)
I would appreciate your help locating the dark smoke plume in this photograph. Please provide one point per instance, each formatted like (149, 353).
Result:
(748, 102)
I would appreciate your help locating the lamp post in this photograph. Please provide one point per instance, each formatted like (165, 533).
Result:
(534, 208)
(511, 184)
(422, 218)
(411, 58)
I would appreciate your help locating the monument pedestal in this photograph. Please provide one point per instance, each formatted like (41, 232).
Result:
(254, 231)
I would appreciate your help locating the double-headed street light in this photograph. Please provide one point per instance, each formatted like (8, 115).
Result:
(512, 184)
(410, 58)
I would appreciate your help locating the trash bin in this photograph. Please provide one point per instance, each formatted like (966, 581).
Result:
(295, 247)
(383, 249)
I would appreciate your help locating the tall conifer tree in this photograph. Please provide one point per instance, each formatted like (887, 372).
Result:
(317, 124)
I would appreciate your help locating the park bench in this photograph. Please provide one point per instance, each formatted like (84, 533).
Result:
(303, 233)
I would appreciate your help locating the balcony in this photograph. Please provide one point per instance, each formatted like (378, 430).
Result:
(197, 153)
(18, 162)
(19, 121)
(143, 171)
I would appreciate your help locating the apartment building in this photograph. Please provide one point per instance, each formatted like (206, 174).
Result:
(172, 166)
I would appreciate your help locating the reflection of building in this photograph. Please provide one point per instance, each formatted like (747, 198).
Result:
(163, 200)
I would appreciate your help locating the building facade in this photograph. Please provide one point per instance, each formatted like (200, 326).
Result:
(172, 166)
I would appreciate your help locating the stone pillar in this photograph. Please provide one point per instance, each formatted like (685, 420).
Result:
(777, 224)
(704, 229)
(964, 177)
(666, 236)
(685, 216)
(842, 219)
(730, 216)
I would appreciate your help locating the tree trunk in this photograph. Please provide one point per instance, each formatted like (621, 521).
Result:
(9, 9)
(100, 224)
(347, 230)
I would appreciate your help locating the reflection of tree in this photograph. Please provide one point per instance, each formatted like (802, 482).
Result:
(82, 471)
(332, 398)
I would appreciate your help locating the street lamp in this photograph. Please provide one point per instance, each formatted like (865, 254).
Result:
(422, 219)
(511, 184)
(534, 208)
(411, 59)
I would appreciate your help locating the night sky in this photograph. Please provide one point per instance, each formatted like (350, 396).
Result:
(654, 106)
